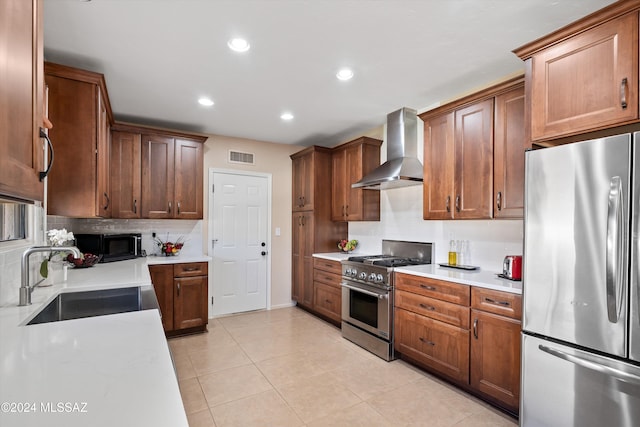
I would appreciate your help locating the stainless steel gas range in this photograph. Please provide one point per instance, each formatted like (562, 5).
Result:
(367, 293)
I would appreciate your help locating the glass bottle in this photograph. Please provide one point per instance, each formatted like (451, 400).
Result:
(453, 256)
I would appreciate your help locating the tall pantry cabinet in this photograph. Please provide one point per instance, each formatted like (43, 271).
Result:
(312, 228)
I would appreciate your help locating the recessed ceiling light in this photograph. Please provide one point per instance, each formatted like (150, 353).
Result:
(286, 116)
(238, 45)
(344, 74)
(205, 101)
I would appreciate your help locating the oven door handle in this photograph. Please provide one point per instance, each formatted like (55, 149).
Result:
(364, 291)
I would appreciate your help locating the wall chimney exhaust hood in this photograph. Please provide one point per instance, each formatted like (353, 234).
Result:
(402, 167)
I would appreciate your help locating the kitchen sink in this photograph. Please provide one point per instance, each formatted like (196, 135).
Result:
(76, 305)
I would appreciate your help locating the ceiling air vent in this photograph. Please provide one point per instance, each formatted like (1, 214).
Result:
(239, 157)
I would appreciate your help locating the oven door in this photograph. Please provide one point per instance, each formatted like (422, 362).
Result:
(368, 308)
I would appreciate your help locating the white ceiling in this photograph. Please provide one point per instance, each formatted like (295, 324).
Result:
(160, 56)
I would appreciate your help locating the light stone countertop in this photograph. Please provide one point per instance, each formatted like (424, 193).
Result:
(113, 370)
(480, 278)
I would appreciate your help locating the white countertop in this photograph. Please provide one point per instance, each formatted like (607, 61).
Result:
(334, 256)
(480, 278)
(113, 370)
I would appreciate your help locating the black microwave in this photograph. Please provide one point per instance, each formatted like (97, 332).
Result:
(112, 247)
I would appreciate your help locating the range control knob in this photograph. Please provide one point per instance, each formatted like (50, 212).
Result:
(372, 277)
(347, 272)
(379, 278)
(362, 276)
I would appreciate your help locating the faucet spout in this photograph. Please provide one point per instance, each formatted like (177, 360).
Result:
(25, 288)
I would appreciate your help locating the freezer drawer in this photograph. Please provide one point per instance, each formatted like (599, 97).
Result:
(564, 387)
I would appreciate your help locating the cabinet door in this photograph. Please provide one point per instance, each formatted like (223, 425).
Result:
(307, 245)
(474, 161)
(162, 279)
(72, 183)
(21, 99)
(328, 301)
(297, 261)
(157, 176)
(438, 167)
(103, 189)
(338, 185)
(442, 347)
(353, 173)
(509, 145)
(188, 176)
(586, 82)
(303, 182)
(495, 357)
(190, 302)
(126, 174)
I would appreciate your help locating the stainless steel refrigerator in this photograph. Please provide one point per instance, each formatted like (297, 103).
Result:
(581, 323)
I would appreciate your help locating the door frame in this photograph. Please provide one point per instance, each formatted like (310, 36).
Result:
(211, 219)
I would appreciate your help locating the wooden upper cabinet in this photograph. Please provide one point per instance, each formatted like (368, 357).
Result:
(350, 163)
(188, 179)
(126, 175)
(21, 99)
(78, 184)
(157, 176)
(474, 161)
(439, 164)
(509, 145)
(470, 146)
(156, 173)
(584, 77)
(302, 171)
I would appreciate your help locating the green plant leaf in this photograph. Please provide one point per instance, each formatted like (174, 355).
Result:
(44, 268)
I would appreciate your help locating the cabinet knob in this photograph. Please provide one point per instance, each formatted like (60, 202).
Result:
(499, 200)
(624, 88)
(448, 202)
(458, 203)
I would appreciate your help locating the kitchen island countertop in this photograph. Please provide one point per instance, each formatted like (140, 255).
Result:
(480, 278)
(99, 371)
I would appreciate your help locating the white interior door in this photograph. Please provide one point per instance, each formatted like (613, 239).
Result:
(239, 229)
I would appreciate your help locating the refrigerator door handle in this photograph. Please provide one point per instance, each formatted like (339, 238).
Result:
(614, 253)
(594, 366)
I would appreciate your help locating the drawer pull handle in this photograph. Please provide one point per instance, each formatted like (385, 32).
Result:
(427, 307)
(458, 203)
(502, 303)
(623, 93)
(426, 341)
(499, 200)
(475, 328)
(328, 301)
(190, 269)
(448, 204)
(427, 287)
(178, 289)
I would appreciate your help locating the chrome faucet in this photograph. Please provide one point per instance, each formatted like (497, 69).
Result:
(25, 289)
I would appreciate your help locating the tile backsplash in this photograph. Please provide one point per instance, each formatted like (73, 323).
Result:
(165, 229)
(401, 219)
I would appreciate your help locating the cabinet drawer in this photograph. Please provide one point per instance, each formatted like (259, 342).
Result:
(502, 303)
(447, 312)
(326, 278)
(327, 300)
(440, 346)
(330, 266)
(190, 269)
(439, 289)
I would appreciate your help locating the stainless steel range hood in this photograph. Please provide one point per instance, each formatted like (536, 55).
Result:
(402, 167)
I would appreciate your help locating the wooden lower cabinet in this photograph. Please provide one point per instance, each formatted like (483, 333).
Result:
(182, 291)
(440, 346)
(467, 334)
(495, 357)
(327, 292)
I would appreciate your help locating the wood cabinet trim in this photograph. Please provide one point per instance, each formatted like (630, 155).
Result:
(150, 130)
(312, 149)
(481, 95)
(590, 21)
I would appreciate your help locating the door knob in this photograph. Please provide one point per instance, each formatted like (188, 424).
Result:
(263, 253)
(263, 244)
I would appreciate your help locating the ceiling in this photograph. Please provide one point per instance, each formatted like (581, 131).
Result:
(160, 56)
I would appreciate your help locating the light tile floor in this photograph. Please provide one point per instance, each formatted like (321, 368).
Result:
(286, 367)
